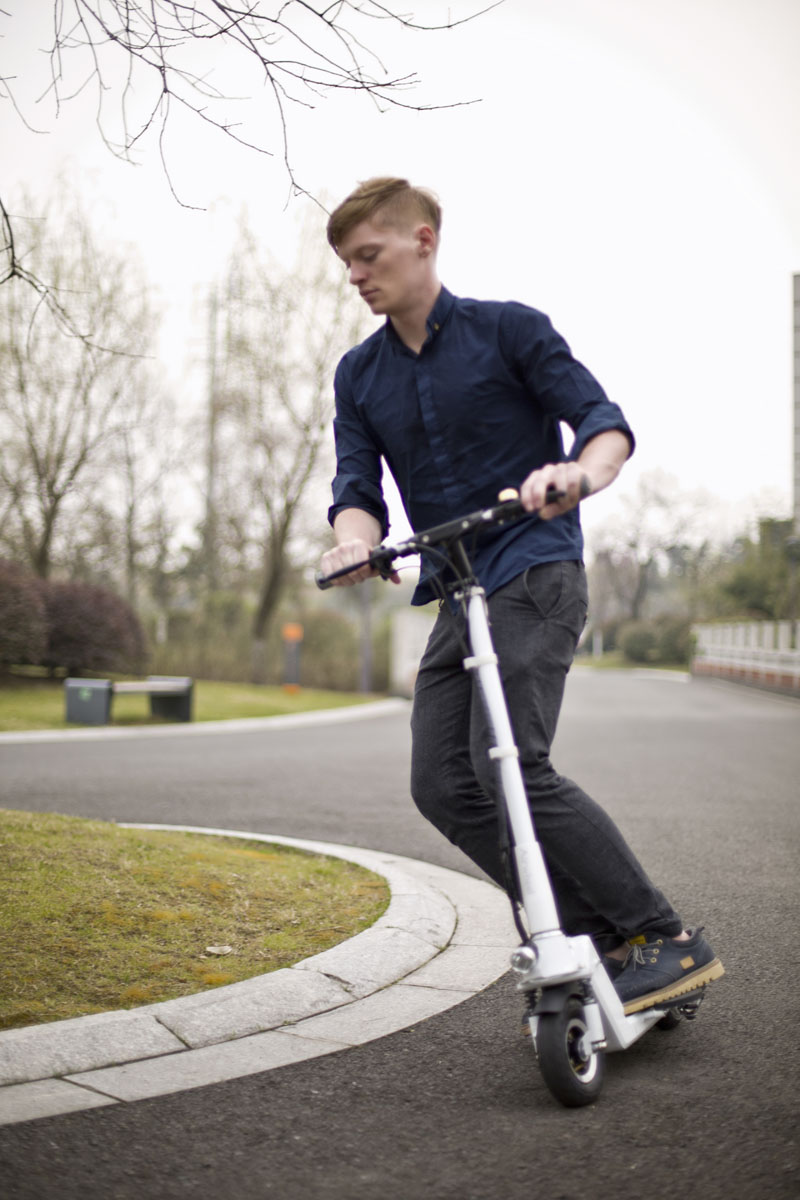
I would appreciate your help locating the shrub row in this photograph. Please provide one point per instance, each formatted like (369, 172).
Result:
(665, 639)
(198, 644)
(61, 625)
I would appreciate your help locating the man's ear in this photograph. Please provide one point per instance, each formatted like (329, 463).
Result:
(426, 240)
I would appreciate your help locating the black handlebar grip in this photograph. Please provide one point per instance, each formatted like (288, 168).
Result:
(324, 582)
(552, 495)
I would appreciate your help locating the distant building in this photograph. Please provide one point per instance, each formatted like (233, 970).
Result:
(797, 405)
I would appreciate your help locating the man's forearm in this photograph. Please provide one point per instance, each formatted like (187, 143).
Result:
(356, 525)
(357, 533)
(600, 462)
(603, 458)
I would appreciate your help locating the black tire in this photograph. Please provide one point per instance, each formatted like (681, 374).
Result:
(573, 1078)
(670, 1020)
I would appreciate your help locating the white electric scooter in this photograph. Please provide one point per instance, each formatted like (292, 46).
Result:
(573, 1012)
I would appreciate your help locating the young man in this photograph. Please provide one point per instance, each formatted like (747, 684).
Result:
(463, 398)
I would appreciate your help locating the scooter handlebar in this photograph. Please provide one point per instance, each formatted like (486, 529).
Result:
(509, 509)
(380, 560)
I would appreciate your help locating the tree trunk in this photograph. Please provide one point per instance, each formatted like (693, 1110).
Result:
(258, 660)
(640, 592)
(271, 588)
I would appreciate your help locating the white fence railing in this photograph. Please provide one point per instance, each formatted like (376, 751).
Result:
(766, 653)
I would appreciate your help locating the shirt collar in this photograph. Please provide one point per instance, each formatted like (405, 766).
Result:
(435, 320)
(440, 312)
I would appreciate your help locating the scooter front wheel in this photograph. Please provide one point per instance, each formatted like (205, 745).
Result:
(572, 1069)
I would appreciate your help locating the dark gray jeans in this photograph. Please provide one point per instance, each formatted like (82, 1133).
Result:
(600, 887)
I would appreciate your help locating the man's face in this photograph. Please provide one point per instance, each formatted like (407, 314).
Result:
(388, 266)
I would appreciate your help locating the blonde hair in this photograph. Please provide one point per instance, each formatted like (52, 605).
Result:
(393, 201)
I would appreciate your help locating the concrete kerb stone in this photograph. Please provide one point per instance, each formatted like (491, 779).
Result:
(49, 1051)
(105, 733)
(443, 937)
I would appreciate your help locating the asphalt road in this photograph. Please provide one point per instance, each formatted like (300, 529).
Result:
(703, 779)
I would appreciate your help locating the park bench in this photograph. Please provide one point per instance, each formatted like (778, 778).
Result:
(88, 701)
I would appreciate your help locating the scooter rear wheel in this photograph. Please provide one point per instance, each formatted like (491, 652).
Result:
(572, 1070)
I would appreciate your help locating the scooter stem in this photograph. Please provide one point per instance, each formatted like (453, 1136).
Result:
(534, 882)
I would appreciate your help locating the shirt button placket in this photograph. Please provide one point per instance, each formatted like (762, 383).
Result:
(430, 417)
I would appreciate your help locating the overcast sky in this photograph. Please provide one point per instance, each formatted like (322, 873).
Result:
(632, 169)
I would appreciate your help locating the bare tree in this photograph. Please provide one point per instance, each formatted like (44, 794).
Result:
(285, 331)
(631, 548)
(146, 455)
(62, 397)
(16, 265)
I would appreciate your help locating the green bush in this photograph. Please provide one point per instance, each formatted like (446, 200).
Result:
(217, 644)
(23, 617)
(675, 641)
(610, 632)
(666, 640)
(638, 641)
(330, 654)
(90, 629)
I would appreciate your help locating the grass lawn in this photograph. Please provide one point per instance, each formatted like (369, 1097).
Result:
(27, 702)
(94, 917)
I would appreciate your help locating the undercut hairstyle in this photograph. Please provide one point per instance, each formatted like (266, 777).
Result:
(384, 200)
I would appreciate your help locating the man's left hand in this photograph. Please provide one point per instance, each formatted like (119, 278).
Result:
(564, 477)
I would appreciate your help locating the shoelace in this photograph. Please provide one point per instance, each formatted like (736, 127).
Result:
(636, 955)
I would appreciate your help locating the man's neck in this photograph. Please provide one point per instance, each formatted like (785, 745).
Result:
(411, 324)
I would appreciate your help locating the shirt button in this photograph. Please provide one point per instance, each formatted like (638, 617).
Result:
(436, 327)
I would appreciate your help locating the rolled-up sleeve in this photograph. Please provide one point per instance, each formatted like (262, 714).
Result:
(560, 384)
(357, 483)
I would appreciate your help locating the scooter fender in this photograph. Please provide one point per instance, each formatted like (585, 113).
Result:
(553, 999)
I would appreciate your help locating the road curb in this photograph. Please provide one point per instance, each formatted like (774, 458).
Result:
(110, 733)
(444, 937)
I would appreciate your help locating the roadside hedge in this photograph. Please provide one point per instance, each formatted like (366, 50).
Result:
(664, 640)
(66, 626)
(23, 616)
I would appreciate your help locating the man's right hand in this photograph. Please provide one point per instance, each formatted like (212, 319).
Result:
(347, 554)
(357, 533)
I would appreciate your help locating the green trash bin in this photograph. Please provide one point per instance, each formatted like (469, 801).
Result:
(88, 701)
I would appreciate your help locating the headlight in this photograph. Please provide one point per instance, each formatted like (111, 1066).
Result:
(523, 960)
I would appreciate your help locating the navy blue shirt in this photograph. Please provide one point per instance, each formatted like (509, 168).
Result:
(475, 411)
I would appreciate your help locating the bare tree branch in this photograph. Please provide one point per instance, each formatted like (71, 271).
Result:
(63, 399)
(149, 60)
(14, 268)
(164, 39)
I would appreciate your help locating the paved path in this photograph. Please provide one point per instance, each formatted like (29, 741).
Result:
(703, 779)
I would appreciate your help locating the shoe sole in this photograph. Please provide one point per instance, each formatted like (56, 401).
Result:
(689, 983)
